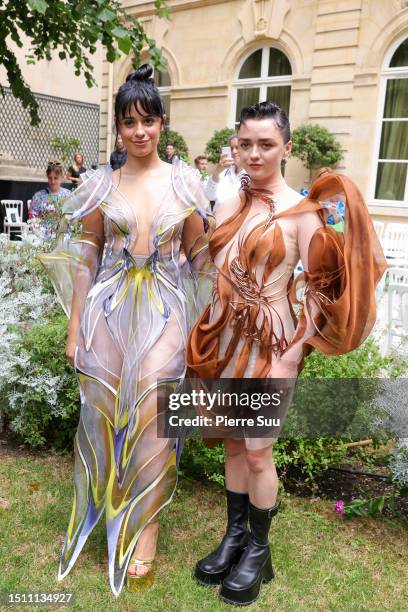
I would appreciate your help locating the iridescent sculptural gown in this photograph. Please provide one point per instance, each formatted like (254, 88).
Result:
(251, 323)
(136, 314)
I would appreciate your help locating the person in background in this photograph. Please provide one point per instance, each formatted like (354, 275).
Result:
(201, 163)
(45, 201)
(170, 156)
(75, 170)
(119, 155)
(225, 181)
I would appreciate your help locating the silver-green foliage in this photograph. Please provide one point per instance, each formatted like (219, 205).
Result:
(34, 379)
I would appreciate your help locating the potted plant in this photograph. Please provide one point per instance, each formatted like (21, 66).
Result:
(316, 147)
(172, 137)
(214, 145)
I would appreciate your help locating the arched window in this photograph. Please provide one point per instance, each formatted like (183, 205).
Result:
(163, 83)
(266, 74)
(391, 182)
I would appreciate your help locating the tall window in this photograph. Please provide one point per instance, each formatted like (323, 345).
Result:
(163, 83)
(392, 164)
(265, 75)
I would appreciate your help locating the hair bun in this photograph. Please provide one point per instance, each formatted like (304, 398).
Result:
(143, 73)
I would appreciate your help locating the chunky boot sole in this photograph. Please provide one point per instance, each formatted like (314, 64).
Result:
(215, 578)
(247, 596)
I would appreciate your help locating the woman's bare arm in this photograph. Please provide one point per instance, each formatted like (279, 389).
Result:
(93, 241)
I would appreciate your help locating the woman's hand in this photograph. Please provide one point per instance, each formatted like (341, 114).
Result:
(283, 368)
(225, 162)
(70, 350)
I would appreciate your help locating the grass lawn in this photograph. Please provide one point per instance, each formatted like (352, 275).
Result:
(321, 563)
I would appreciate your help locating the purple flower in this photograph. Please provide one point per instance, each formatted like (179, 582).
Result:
(339, 508)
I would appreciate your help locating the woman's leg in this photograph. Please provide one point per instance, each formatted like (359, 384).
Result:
(262, 477)
(236, 467)
(164, 360)
(243, 583)
(214, 567)
(145, 549)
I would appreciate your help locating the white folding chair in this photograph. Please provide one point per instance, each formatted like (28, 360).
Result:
(397, 304)
(395, 244)
(14, 215)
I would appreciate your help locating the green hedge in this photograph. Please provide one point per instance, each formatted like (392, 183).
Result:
(47, 410)
(315, 146)
(309, 456)
(172, 137)
(217, 141)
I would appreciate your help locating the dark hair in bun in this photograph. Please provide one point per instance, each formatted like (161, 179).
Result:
(139, 90)
(268, 110)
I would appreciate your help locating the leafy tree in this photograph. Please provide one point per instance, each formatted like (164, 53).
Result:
(74, 29)
(315, 146)
(65, 146)
(172, 137)
(218, 140)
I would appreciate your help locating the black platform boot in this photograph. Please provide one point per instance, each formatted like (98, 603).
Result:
(212, 569)
(241, 587)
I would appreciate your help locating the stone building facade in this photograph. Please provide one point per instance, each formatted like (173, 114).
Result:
(339, 63)
(67, 109)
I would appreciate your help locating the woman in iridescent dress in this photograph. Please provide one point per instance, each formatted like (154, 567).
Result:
(250, 329)
(131, 305)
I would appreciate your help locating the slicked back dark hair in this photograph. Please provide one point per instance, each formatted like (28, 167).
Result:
(139, 89)
(268, 110)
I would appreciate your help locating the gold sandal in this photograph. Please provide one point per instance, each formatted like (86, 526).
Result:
(144, 581)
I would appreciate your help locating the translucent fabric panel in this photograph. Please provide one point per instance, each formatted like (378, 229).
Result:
(251, 68)
(396, 99)
(394, 140)
(246, 97)
(278, 63)
(280, 96)
(400, 57)
(391, 180)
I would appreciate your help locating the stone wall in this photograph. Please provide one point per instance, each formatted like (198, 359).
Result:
(336, 49)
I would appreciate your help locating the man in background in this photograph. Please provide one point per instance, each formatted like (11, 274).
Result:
(119, 155)
(201, 163)
(170, 156)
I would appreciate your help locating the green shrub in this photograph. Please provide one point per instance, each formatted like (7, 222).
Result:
(43, 399)
(172, 137)
(214, 145)
(200, 462)
(308, 456)
(364, 362)
(315, 146)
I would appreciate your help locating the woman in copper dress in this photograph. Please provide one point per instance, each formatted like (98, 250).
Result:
(250, 329)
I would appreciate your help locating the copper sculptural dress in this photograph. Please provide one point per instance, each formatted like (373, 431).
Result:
(136, 314)
(259, 313)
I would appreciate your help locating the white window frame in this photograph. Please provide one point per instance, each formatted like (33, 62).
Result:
(386, 74)
(263, 81)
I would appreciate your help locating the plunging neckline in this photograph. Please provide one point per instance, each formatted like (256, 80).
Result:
(154, 222)
(132, 203)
